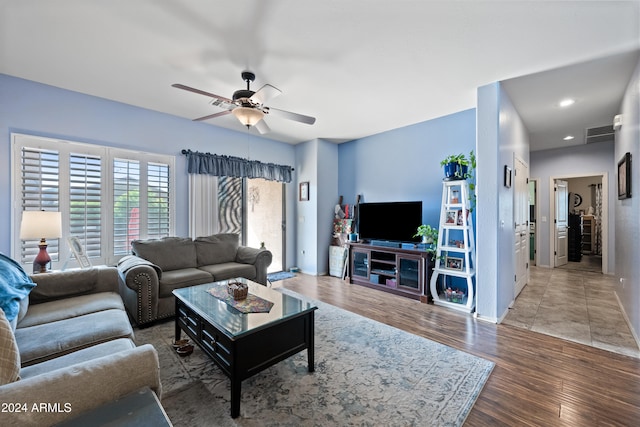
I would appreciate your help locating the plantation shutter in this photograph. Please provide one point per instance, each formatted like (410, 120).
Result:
(40, 190)
(157, 200)
(126, 204)
(85, 195)
(107, 197)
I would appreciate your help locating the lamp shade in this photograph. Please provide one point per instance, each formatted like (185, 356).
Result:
(248, 116)
(40, 224)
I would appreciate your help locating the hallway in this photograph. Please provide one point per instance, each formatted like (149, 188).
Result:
(575, 305)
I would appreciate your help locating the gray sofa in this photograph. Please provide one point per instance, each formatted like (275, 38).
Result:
(75, 349)
(157, 267)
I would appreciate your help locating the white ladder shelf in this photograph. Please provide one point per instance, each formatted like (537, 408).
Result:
(452, 283)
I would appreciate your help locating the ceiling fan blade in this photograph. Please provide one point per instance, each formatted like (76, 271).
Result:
(211, 116)
(262, 127)
(265, 93)
(292, 116)
(201, 92)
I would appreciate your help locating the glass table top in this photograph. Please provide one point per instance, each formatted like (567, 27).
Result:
(233, 322)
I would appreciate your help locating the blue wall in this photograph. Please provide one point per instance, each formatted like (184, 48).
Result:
(627, 225)
(404, 164)
(37, 109)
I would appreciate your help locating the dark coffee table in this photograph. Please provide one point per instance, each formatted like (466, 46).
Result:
(244, 344)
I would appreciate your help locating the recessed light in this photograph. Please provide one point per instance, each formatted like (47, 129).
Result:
(567, 102)
(568, 137)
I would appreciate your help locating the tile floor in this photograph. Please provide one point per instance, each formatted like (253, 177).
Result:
(576, 305)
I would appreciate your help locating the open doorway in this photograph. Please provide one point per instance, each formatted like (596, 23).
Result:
(585, 239)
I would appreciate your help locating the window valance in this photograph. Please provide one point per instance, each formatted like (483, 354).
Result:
(237, 167)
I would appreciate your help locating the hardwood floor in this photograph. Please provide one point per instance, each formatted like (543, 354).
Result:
(538, 380)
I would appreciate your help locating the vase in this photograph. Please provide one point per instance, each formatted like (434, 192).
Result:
(455, 171)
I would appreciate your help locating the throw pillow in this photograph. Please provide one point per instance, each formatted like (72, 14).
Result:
(168, 253)
(9, 354)
(217, 249)
(15, 285)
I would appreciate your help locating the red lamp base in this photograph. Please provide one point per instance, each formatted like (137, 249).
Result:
(42, 259)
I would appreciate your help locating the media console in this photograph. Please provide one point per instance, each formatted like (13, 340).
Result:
(398, 268)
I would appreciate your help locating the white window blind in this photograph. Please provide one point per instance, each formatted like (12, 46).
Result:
(85, 195)
(126, 204)
(40, 190)
(157, 200)
(94, 187)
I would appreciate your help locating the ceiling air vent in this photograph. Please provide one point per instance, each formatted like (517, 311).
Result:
(599, 134)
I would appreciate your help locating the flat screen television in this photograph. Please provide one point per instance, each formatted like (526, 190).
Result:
(392, 221)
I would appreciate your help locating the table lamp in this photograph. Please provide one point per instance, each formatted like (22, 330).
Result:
(41, 225)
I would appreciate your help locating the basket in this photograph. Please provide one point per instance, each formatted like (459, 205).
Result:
(238, 290)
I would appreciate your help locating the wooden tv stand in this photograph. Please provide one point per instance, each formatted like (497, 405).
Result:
(401, 269)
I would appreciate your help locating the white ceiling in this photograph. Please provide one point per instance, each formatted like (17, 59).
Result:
(360, 67)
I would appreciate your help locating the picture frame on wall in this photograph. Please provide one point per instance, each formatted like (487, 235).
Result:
(304, 191)
(507, 176)
(624, 177)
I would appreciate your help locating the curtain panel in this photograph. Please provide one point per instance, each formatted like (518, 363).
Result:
(237, 167)
(203, 205)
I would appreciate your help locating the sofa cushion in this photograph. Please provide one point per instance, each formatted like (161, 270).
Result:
(64, 284)
(15, 285)
(61, 309)
(169, 253)
(49, 340)
(217, 249)
(104, 349)
(9, 355)
(177, 279)
(230, 270)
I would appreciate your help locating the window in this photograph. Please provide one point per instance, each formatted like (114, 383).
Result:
(108, 197)
(39, 190)
(85, 202)
(126, 204)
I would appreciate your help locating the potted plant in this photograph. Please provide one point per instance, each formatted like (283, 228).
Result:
(455, 166)
(458, 167)
(429, 236)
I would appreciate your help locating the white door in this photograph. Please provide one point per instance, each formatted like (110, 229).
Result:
(521, 219)
(561, 223)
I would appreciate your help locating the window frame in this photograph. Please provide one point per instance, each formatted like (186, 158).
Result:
(108, 154)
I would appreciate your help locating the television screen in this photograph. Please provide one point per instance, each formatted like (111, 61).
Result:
(395, 221)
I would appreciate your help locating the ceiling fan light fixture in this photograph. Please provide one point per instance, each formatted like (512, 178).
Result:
(248, 116)
(567, 102)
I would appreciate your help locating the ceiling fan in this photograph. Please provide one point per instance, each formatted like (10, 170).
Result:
(247, 105)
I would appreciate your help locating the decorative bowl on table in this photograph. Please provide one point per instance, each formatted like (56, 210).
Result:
(238, 290)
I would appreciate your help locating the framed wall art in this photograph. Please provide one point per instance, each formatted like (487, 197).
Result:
(624, 177)
(304, 191)
(507, 176)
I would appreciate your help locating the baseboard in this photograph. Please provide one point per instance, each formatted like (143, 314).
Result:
(626, 319)
(485, 319)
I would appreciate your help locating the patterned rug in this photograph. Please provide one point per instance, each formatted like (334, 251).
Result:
(367, 374)
(274, 277)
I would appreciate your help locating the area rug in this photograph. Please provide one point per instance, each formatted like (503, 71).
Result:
(274, 277)
(367, 374)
